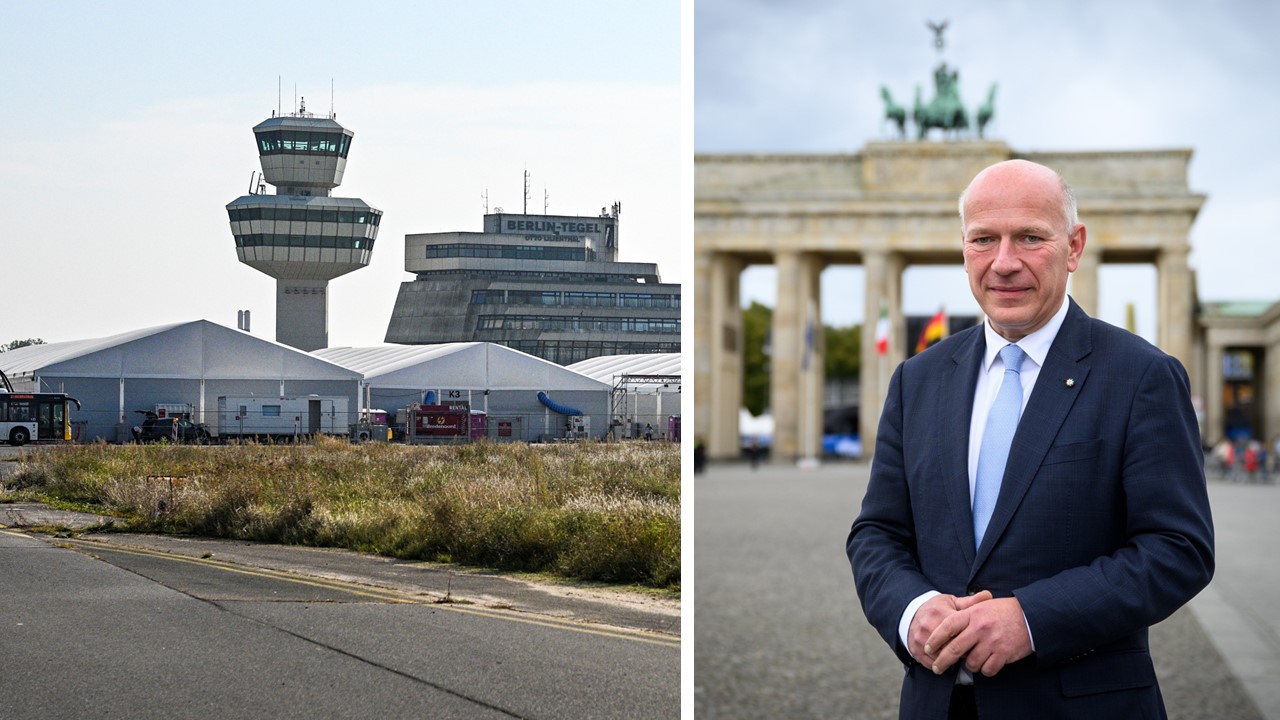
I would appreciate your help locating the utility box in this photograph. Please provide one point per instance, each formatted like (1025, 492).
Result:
(579, 427)
(182, 411)
(370, 432)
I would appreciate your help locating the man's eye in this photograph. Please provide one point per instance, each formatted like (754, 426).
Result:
(981, 241)
(1032, 239)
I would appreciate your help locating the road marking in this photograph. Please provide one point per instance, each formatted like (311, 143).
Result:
(241, 569)
(386, 595)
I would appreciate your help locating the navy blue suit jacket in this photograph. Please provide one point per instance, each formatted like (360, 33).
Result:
(1101, 529)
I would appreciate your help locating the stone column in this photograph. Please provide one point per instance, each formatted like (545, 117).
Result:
(786, 343)
(703, 339)
(883, 273)
(1175, 302)
(718, 352)
(812, 359)
(1214, 412)
(1084, 281)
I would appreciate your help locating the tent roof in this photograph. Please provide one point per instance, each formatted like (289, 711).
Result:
(187, 350)
(607, 367)
(462, 365)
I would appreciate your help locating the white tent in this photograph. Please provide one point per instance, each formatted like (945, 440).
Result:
(646, 391)
(608, 367)
(494, 379)
(755, 429)
(191, 363)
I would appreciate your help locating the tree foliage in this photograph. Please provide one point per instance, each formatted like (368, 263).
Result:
(14, 345)
(756, 322)
(843, 358)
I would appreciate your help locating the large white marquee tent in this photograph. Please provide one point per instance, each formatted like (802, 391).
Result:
(191, 363)
(494, 379)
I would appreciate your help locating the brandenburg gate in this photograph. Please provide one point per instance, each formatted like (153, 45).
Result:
(887, 207)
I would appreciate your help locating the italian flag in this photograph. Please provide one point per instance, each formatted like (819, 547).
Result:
(882, 331)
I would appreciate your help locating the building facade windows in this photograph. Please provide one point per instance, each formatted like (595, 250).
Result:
(649, 300)
(573, 323)
(509, 252)
(525, 275)
(572, 298)
(565, 352)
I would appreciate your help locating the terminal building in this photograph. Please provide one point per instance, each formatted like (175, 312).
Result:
(547, 285)
(302, 236)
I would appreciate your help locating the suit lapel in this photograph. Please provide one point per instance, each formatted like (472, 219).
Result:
(1050, 402)
(958, 404)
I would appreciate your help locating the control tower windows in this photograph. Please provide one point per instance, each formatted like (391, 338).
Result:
(304, 241)
(306, 214)
(272, 142)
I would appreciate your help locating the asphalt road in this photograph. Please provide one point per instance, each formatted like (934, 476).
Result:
(94, 629)
(778, 632)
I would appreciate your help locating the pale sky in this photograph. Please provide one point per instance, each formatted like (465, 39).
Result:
(1082, 75)
(127, 129)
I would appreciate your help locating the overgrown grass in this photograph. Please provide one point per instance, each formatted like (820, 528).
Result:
(606, 512)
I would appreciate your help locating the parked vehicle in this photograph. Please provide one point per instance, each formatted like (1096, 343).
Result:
(25, 417)
(171, 429)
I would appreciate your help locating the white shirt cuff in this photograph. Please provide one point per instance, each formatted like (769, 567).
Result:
(904, 625)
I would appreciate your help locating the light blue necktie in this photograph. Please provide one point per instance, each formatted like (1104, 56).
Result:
(1002, 421)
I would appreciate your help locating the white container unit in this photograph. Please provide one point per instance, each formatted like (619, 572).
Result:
(282, 416)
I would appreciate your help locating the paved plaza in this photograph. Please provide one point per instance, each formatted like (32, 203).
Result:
(779, 632)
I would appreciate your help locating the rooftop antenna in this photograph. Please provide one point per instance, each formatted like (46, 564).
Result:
(485, 195)
(546, 200)
(526, 191)
(278, 94)
(332, 114)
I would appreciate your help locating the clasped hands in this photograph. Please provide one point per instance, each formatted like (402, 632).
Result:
(985, 633)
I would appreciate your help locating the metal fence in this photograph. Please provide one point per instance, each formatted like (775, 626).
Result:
(90, 425)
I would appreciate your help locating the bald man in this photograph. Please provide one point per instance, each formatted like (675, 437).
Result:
(1037, 496)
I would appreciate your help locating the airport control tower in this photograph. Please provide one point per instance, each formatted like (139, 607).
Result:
(301, 236)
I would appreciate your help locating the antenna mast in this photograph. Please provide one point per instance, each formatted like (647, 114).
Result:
(526, 192)
(546, 200)
(485, 196)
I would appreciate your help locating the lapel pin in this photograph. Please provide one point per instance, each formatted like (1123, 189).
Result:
(1071, 382)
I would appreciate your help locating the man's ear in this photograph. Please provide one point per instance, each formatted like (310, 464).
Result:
(1075, 246)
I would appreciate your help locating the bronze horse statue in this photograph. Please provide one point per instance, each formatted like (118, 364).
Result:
(894, 112)
(987, 110)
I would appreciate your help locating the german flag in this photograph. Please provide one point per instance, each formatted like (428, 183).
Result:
(933, 332)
